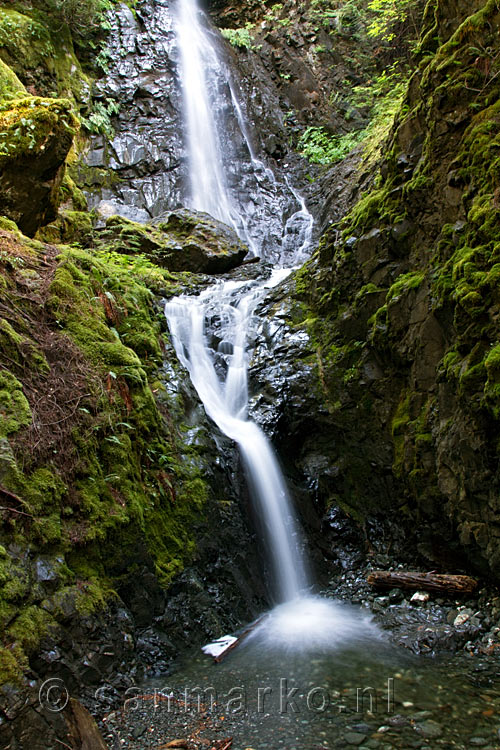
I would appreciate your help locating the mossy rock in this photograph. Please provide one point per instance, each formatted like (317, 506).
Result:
(10, 85)
(38, 48)
(69, 227)
(14, 408)
(35, 137)
(182, 241)
(124, 488)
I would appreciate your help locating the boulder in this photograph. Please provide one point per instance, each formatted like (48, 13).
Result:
(35, 137)
(182, 241)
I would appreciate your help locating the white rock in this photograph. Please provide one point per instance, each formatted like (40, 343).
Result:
(217, 647)
(460, 619)
(420, 597)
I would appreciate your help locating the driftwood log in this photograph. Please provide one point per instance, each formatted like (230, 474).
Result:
(443, 583)
(240, 639)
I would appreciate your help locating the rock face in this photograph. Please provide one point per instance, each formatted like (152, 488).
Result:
(301, 65)
(182, 241)
(146, 151)
(400, 313)
(43, 728)
(141, 172)
(35, 139)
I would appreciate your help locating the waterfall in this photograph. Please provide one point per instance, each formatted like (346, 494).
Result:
(225, 398)
(198, 61)
(220, 376)
(211, 335)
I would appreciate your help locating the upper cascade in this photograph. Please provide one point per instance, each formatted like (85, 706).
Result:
(187, 134)
(211, 153)
(199, 63)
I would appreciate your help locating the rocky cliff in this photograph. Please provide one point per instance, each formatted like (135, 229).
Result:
(400, 307)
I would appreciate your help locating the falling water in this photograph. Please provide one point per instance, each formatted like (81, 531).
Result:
(226, 402)
(198, 60)
(225, 312)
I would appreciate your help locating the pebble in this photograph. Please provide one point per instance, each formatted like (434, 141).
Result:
(462, 617)
(398, 720)
(429, 729)
(361, 728)
(354, 738)
(420, 597)
(478, 741)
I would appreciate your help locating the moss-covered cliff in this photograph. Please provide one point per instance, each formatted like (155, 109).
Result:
(91, 468)
(402, 302)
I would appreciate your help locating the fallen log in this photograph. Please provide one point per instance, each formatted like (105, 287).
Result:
(214, 649)
(440, 582)
(83, 732)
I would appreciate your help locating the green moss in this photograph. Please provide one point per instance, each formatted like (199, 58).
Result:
(15, 411)
(69, 227)
(26, 125)
(18, 348)
(10, 85)
(29, 628)
(25, 42)
(39, 50)
(71, 195)
(492, 362)
(450, 364)
(419, 183)
(92, 596)
(404, 284)
(128, 483)
(13, 663)
(8, 225)
(368, 289)
(401, 416)
(366, 210)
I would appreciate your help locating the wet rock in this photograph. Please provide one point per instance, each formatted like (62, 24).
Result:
(47, 571)
(429, 729)
(398, 720)
(420, 597)
(354, 738)
(380, 603)
(462, 617)
(181, 241)
(44, 726)
(395, 595)
(141, 171)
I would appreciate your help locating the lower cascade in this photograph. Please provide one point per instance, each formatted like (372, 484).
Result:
(224, 313)
(219, 374)
(220, 378)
